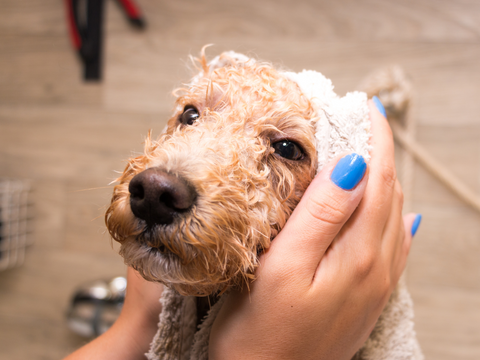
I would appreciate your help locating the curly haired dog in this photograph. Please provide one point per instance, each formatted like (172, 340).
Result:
(196, 209)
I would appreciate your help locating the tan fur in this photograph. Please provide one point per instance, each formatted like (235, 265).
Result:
(246, 192)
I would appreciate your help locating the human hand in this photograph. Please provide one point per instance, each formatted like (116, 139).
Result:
(142, 306)
(327, 276)
(130, 336)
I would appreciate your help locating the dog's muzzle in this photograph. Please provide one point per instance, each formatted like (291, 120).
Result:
(159, 197)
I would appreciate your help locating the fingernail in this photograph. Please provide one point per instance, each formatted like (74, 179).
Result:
(379, 106)
(416, 224)
(349, 171)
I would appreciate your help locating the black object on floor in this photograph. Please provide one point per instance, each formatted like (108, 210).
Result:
(95, 306)
(85, 19)
(86, 25)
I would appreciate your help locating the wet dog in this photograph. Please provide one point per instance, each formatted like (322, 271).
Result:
(198, 206)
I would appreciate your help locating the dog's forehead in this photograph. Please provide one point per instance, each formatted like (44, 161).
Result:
(248, 99)
(249, 78)
(251, 87)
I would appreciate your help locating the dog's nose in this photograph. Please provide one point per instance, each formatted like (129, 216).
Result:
(158, 197)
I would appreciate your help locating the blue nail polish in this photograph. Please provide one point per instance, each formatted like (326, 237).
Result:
(416, 224)
(349, 171)
(379, 106)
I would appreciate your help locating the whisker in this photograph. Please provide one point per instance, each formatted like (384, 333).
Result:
(89, 189)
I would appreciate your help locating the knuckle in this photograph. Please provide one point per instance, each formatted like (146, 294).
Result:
(381, 283)
(389, 176)
(365, 264)
(327, 210)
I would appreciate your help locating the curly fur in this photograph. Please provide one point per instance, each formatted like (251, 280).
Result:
(246, 192)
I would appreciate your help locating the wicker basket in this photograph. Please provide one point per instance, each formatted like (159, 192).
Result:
(14, 219)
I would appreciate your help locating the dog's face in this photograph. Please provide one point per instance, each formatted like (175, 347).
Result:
(209, 195)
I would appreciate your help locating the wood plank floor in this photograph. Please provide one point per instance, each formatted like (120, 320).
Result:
(69, 137)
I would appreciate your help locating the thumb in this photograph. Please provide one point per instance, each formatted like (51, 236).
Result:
(327, 204)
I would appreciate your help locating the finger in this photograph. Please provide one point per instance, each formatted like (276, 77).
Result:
(394, 238)
(374, 210)
(412, 222)
(370, 219)
(378, 194)
(391, 243)
(409, 222)
(327, 204)
(357, 256)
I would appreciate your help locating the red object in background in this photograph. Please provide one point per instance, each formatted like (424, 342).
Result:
(85, 22)
(133, 12)
(72, 25)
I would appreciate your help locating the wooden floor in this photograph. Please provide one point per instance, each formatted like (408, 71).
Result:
(69, 137)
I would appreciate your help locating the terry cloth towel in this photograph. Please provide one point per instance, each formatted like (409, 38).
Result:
(343, 126)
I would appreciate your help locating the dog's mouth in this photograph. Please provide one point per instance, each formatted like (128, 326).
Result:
(151, 239)
(162, 249)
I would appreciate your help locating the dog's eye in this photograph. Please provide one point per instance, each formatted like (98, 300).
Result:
(288, 149)
(189, 115)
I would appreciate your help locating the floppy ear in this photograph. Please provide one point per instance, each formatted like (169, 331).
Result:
(343, 123)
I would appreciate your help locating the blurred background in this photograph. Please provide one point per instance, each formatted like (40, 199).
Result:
(68, 136)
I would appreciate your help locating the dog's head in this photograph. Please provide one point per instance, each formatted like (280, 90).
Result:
(196, 209)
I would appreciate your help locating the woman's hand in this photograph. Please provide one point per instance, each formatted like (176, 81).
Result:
(327, 276)
(130, 336)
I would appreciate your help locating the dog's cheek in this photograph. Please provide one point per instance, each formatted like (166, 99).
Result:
(119, 219)
(304, 175)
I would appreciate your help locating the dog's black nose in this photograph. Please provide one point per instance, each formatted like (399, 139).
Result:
(158, 197)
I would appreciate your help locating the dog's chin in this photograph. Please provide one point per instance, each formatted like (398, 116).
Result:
(151, 261)
(159, 264)
(161, 254)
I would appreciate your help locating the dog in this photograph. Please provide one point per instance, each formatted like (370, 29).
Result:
(204, 200)
(196, 209)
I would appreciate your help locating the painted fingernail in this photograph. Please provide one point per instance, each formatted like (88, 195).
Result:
(416, 224)
(379, 106)
(349, 171)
